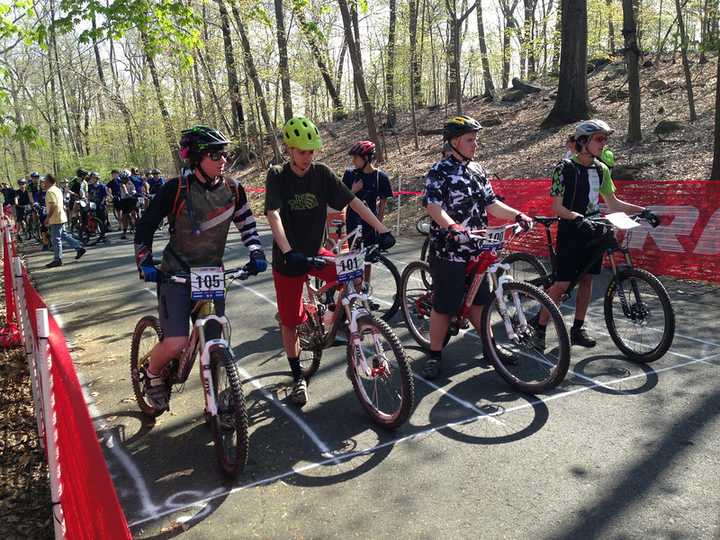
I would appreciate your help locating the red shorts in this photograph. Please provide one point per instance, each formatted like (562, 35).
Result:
(288, 291)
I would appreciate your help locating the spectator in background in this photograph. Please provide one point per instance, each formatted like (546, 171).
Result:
(55, 220)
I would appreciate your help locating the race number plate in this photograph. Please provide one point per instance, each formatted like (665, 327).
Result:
(494, 235)
(349, 266)
(207, 283)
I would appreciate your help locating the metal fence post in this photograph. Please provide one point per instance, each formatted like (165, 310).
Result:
(397, 225)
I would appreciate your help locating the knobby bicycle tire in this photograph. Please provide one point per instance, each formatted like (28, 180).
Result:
(137, 371)
(232, 458)
(407, 388)
(531, 264)
(626, 276)
(555, 375)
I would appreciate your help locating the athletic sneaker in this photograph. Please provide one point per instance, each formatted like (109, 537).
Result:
(299, 394)
(156, 392)
(579, 336)
(431, 369)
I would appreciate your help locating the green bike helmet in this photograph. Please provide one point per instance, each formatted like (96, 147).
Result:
(608, 158)
(301, 133)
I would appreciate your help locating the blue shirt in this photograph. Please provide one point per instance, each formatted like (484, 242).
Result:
(97, 193)
(114, 186)
(155, 184)
(375, 185)
(138, 183)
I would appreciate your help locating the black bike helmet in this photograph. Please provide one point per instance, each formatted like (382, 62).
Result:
(81, 173)
(197, 140)
(460, 125)
(34, 175)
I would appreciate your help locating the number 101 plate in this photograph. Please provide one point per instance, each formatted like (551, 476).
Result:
(207, 283)
(349, 266)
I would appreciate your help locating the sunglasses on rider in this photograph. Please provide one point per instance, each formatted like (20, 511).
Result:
(217, 155)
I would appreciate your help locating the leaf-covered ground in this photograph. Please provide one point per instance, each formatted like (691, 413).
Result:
(24, 482)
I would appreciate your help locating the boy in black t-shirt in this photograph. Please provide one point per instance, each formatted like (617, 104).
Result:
(297, 196)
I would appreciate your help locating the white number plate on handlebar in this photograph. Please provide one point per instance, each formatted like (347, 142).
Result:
(207, 283)
(349, 266)
(494, 235)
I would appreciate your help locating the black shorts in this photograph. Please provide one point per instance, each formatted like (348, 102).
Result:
(175, 306)
(573, 253)
(127, 205)
(450, 285)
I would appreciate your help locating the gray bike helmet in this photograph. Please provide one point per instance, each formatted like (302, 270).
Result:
(591, 127)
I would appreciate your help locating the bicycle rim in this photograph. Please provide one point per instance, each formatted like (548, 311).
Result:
(230, 425)
(385, 389)
(416, 302)
(639, 315)
(521, 359)
(146, 335)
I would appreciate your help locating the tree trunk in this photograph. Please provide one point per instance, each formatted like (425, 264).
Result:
(557, 38)
(715, 173)
(686, 64)
(414, 67)
(55, 70)
(632, 57)
(390, 73)
(19, 122)
(354, 49)
(167, 124)
(487, 76)
(252, 73)
(338, 108)
(197, 93)
(340, 63)
(98, 62)
(528, 46)
(238, 116)
(283, 61)
(611, 26)
(454, 92)
(213, 93)
(572, 103)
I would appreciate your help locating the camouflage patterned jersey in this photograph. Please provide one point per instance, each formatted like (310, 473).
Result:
(464, 192)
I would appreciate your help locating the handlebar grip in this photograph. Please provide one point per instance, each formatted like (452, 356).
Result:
(317, 262)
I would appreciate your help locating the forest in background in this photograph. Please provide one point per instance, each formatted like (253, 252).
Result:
(107, 84)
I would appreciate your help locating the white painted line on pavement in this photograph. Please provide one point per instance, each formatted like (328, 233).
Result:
(146, 289)
(258, 294)
(411, 437)
(462, 402)
(324, 449)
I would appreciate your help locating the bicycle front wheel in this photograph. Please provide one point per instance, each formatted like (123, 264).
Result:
(528, 268)
(639, 316)
(383, 382)
(416, 301)
(230, 425)
(146, 335)
(383, 288)
(521, 357)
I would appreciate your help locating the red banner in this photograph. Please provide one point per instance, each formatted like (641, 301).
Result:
(685, 245)
(89, 502)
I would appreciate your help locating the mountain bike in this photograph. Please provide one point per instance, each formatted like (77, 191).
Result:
(225, 410)
(86, 225)
(381, 279)
(634, 299)
(507, 335)
(376, 361)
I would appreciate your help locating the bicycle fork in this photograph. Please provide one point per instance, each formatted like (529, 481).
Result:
(359, 358)
(498, 286)
(211, 406)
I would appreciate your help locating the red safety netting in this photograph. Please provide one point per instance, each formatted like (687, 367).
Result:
(687, 243)
(90, 505)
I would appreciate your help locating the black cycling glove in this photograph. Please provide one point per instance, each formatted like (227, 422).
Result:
(296, 262)
(650, 217)
(386, 240)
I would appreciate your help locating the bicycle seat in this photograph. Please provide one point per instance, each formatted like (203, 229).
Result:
(546, 220)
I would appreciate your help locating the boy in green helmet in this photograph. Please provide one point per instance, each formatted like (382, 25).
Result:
(297, 196)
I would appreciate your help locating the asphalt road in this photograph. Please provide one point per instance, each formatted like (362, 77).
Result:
(619, 450)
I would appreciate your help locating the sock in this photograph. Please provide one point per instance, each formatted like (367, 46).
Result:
(436, 355)
(295, 368)
(151, 374)
(540, 330)
(577, 324)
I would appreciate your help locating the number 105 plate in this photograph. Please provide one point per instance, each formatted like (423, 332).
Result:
(207, 283)
(349, 266)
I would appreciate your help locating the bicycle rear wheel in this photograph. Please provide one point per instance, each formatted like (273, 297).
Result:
(230, 425)
(383, 288)
(386, 391)
(528, 268)
(416, 301)
(311, 338)
(146, 335)
(639, 316)
(526, 362)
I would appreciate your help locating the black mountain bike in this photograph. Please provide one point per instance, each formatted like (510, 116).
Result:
(639, 316)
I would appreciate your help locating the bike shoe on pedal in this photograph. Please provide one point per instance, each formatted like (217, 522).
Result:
(156, 391)
(299, 394)
(579, 336)
(432, 367)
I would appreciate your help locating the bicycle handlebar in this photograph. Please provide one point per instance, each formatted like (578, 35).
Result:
(183, 277)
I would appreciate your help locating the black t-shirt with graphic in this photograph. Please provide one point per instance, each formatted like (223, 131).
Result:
(303, 202)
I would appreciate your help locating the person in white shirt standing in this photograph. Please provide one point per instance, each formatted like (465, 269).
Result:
(55, 220)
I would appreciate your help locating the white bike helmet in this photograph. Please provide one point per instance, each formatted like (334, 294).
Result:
(591, 127)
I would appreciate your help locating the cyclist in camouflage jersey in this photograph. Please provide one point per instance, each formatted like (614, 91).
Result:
(458, 196)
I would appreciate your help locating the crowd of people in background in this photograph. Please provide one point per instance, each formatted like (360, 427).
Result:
(76, 209)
